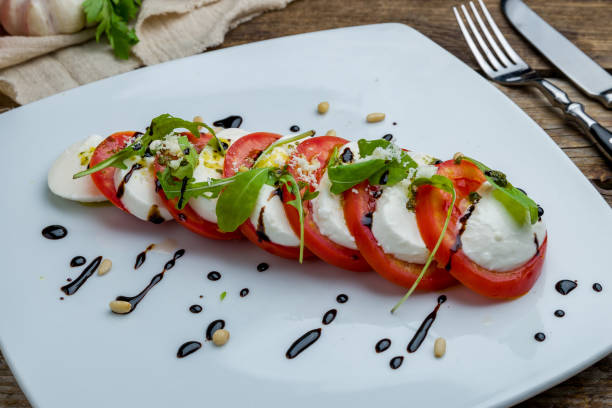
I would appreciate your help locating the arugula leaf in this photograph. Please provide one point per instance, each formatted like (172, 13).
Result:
(516, 202)
(237, 201)
(222, 295)
(207, 189)
(112, 16)
(294, 188)
(345, 176)
(445, 184)
(367, 147)
(283, 141)
(189, 160)
(159, 128)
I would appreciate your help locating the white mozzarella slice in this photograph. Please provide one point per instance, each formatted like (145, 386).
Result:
(395, 227)
(269, 217)
(73, 160)
(139, 196)
(494, 240)
(210, 166)
(328, 215)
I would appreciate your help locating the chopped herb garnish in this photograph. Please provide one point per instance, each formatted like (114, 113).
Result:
(223, 295)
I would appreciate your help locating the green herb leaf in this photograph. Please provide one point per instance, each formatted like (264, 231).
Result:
(518, 204)
(345, 176)
(283, 141)
(112, 16)
(292, 185)
(237, 201)
(445, 184)
(223, 295)
(159, 128)
(189, 160)
(207, 189)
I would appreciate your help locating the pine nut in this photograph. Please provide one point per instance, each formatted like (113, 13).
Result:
(439, 347)
(198, 119)
(375, 117)
(105, 267)
(331, 132)
(120, 306)
(220, 337)
(457, 157)
(323, 107)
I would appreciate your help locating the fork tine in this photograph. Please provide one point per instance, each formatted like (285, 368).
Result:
(483, 46)
(484, 65)
(483, 27)
(500, 37)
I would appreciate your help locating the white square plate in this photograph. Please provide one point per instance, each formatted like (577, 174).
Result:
(75, 353)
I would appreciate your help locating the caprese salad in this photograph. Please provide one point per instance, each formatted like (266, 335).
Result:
(417, 221)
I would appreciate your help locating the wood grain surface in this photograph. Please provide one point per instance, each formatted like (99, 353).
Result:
(585, 22)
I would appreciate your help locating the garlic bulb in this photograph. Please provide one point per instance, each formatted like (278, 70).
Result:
(42, 17)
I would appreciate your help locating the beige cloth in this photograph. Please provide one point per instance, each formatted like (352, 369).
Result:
(38, 67)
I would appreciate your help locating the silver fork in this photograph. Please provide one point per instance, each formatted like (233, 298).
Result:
(508, 68)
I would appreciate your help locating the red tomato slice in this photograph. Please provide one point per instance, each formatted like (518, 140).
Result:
(244, 152)
(431, 208)
(357, 208)
(326, 249)
(105, 179)
(188, 217)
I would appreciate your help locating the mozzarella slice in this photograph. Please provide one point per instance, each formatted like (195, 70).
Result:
(270, 220)
(210, 166)
(492, 238)
(73, 160)
(393, 225)
(328, 215)
(139, 196)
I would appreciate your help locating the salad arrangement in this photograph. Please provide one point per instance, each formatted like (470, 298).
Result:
(419, 222)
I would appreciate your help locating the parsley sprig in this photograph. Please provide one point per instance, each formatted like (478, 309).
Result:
(112, 17)
(445, 184)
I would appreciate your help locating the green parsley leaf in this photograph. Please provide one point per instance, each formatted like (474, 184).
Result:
(112, 16)
(445, 184)
(237, 201)
(518, 204)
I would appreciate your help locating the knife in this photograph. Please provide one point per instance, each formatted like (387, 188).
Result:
(591, 78)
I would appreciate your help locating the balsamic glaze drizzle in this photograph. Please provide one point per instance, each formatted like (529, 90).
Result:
(367, 220)
(261, 228)
(329, 316)
(382, 345)
(78, 261)
(244, 292)
(195, 308)
(421, 333)
(213, 276)
(188, 348)
(54, 232)
(342, 298)
(73, 286)
(294, 128)
(597, 287)
(396, 362)
(154, 215)
(302, 343)
(213, 327)
(232, 121)
(126, 178)
(458, 244)
(135, 300)
(142, 257)
(347, 155)
(565, 286)
(559, 313)
(388, 137)
(183, 187)
(540, 337)
(262, 267)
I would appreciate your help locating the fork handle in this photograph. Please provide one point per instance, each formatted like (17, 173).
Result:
(574, 112)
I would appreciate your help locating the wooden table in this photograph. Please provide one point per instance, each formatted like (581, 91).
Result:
(585, 22)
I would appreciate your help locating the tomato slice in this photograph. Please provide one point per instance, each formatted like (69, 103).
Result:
(105, 179)
(188, 217)
(358, 207)
(431, 208)
(326, 249)
(243, 153)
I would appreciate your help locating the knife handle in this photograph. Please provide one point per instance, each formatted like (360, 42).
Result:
(606, 98)
(575, 113)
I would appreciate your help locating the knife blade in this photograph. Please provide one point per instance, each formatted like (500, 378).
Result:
(591, 78)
